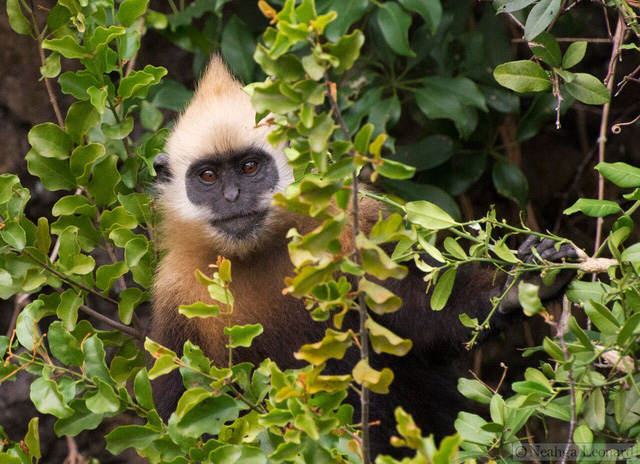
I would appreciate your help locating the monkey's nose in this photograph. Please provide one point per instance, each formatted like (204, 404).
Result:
(231, 192)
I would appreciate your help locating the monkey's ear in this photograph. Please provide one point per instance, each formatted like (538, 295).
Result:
(161, 165)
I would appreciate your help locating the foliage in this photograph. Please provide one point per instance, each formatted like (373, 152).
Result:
(101, 154)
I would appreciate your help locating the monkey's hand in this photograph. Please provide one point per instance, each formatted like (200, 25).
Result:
(546, 250)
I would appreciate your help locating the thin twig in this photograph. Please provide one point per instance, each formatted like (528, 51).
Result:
(47, 81)
(604, 122)
(563, 326)
(362, 308)
(516, 21)
(116, 325)
(66, 279)
(19, 302)
(627, 78)
(562, 10)
(595, 40)
(74, 456)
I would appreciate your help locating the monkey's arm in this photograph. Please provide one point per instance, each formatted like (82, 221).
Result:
(436, 334)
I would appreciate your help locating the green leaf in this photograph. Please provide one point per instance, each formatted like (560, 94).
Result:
(287, 67)
(83, 159)
(510, 182)
(621, 174)
(51, 66)
(105, 179)
(509, 6)
(474, 390)
(81, 117)
(199, 309)
(376, 381)
(394, 24)
(47, 398)
(120, 130)
(66, 46)
(378, 298)
(64, 346)
(540, 17)
(50, 141)
(17, 20)
(333, 345)
(588, 89)
(75, 204)
(583, 437)
(594, 208)
(522, 76)
(602, 317)
(130, 436)
(243, 335)
(107, 275)
(441, 293)
(163, 365)
(237, 46)
(268, 97)
(529, 299)
(14, 235)
(32, 438)
(546, 47)
(348, 13)
(67, 310)
(394, 169)
(449, 98)
(574, 54)
(129, 11)
(430, 10)
(150, 116)
(142, 389)
(376, 262)
(53, 173)
(594, 411)
(104, 400)
(43, 237)
(430, 152)
(130, 298)
(77, 83)
(428, 215)
(347, 50)
(319, 135)
(7, 184)
(208, 417)
(553, 349)
(138, 83)
(81, 419)
(94, 363)
(385, 341)
(98, 98)
(102, 36)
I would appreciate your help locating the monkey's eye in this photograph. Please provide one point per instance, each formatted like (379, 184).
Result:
(208, 175)
(250, 167)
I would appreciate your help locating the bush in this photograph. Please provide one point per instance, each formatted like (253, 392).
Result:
(419, 71)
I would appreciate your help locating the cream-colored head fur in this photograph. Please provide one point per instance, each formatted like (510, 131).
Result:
(219, 119)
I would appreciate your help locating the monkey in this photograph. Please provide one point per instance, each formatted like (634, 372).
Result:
(215, 185)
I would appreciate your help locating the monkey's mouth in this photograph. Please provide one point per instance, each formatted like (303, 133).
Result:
(240, 225)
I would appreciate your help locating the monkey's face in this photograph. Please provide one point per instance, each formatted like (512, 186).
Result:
(235, 189)
(220, 172)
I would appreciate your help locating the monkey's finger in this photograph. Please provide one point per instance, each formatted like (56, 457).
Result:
(545, 245)
(524, 251)
(565, 252)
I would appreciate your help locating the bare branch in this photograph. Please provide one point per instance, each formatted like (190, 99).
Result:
(604, 122)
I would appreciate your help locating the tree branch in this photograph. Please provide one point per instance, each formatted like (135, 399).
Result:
(362, 308)
(66, 279)
(604, 121)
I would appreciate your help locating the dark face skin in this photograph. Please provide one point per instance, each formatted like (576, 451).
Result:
(232, 185)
